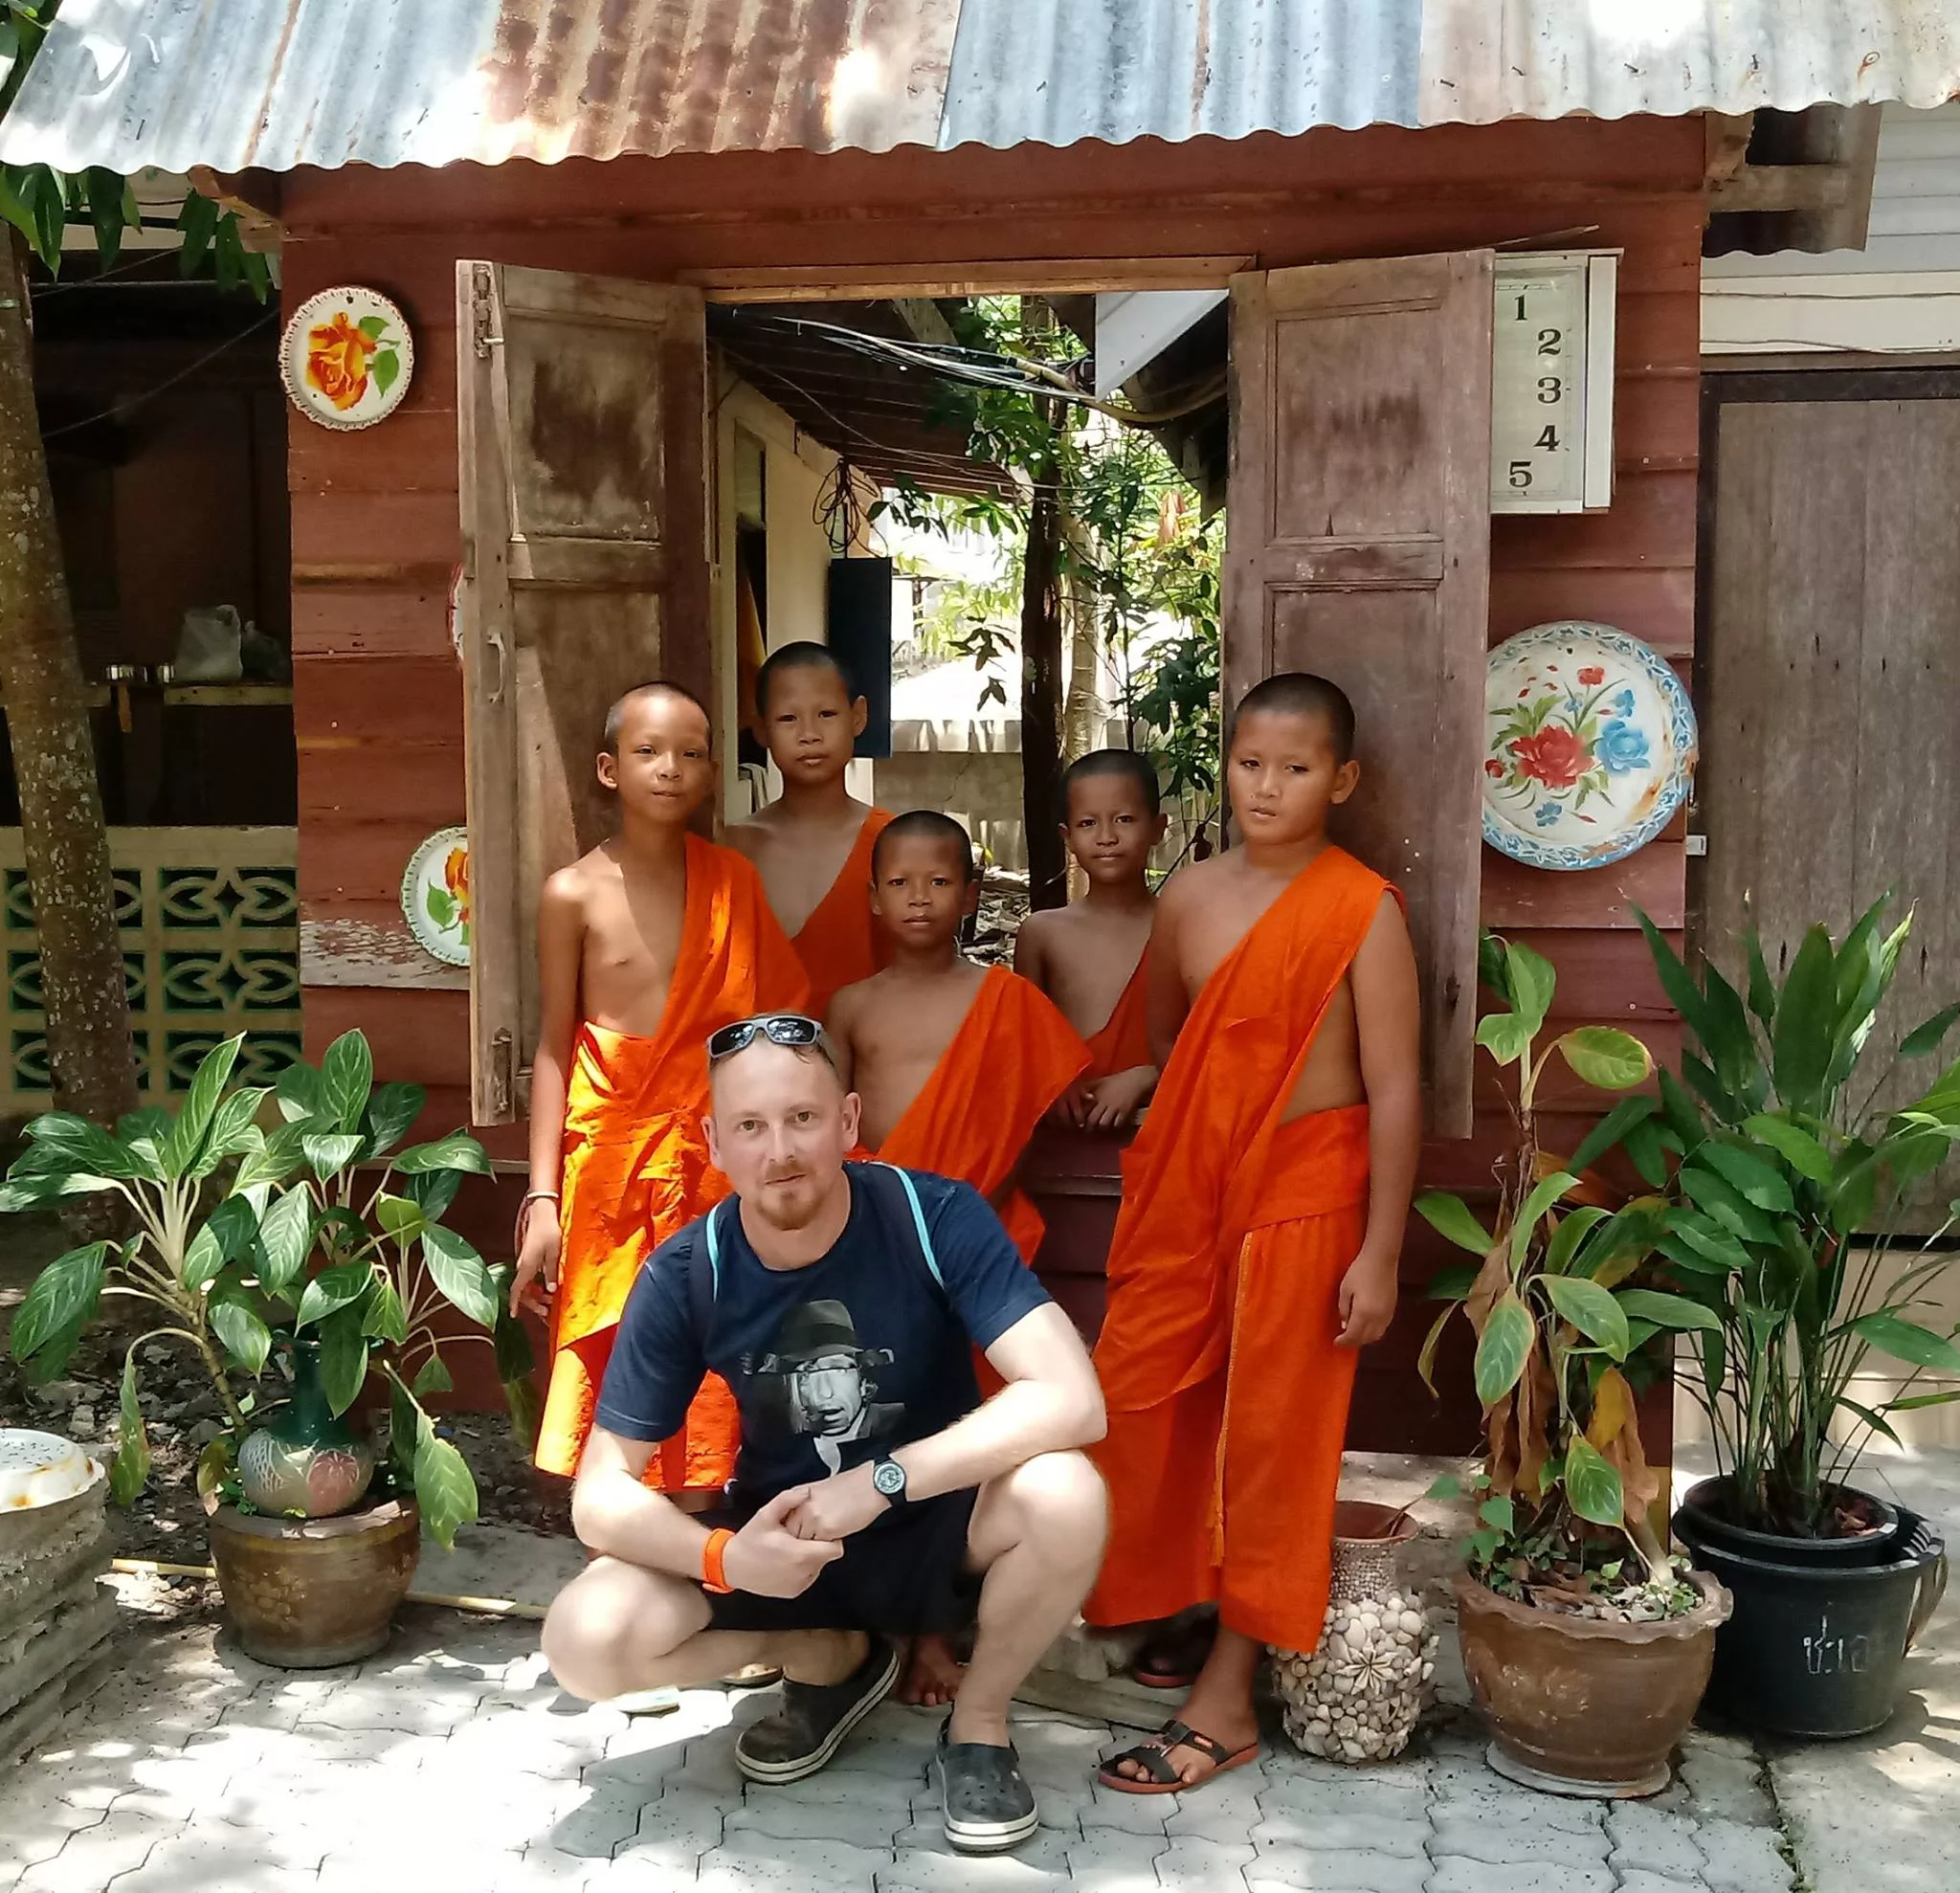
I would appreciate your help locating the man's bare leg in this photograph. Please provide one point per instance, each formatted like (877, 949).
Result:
(750, 1676)
(618, 1628)
(1038, 1532)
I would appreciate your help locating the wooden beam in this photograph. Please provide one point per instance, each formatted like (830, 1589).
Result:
(921, 315)
(1783, 187)
(892, 282)
(1727, 144)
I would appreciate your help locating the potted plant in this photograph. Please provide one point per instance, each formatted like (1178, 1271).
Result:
(1586, 1645)
(317, 1242)
(1791, 1199)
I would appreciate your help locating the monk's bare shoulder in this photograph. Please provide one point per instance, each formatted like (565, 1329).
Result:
(744, 838)
(575, 885)
(1192, 885)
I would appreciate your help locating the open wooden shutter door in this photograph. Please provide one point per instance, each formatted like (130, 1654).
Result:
(582, 416)
(1358, 547)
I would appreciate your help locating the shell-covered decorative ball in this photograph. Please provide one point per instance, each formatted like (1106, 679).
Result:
(295, 1477)
(41, 1469)
(1358, 1697)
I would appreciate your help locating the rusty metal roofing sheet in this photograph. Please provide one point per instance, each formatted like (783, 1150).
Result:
(280, 83)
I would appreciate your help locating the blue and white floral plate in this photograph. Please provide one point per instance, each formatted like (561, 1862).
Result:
(1590, 746)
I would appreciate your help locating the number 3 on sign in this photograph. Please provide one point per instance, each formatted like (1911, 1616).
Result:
(1551, 382)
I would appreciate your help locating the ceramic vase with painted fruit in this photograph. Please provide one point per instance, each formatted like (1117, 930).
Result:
(304, 1462)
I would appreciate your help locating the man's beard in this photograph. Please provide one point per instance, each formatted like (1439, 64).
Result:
(789, 1207)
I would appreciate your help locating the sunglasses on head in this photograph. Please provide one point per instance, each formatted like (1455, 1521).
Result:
(796, 1029)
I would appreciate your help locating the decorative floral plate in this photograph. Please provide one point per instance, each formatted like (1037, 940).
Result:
(436, 896)
(347, 357)
(1590, 746)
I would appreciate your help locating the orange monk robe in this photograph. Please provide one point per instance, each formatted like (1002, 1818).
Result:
(839, 944)
(636, 1164)
(1124, 1042)
(1013, 1056)
(1226, 1396)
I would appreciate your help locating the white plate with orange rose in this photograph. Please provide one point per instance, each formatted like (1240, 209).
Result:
(347, 357)
(436, 896)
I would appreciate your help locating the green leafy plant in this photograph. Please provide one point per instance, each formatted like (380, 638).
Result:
(1559, 1319)
(246, 1237)
(1790, 1202)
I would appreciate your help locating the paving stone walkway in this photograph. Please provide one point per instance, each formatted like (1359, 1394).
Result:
(453, 1762)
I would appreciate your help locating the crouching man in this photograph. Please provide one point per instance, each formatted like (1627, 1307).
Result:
(876, 1497)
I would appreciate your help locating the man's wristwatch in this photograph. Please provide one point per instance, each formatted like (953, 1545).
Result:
(888, 1480)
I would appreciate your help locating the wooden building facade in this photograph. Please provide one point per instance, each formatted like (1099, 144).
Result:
(380, 692)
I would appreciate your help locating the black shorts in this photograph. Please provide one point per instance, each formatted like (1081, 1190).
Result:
(906, 1575)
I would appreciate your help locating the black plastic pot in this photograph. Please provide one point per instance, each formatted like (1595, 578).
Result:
(1815, 1649)
(1706, 1511)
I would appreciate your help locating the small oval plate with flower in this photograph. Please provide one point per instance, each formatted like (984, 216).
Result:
(347, 357)
(436, 896)
(1590, 746)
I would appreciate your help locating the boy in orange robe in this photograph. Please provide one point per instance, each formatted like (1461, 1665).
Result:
(813, 844)
(954, 1064)
(1088, 957)
(1262, 1217)
(646, 944)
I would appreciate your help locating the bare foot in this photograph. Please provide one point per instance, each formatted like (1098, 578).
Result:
(932, 1673)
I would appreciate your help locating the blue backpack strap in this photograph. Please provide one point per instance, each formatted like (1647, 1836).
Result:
(924, 1234)
(704, 1276)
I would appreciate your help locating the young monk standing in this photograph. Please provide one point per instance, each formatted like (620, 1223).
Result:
(812, 845)
(645, 946)
(1262, 1215)
(1088, 957)
(954, 1064)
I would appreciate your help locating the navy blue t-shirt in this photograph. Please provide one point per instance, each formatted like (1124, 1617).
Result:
(835, 1364)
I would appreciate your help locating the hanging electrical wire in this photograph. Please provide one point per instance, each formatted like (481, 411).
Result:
(981, 367)
(839, 509)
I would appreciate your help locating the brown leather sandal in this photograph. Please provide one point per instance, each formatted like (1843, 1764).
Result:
(1153, 1755)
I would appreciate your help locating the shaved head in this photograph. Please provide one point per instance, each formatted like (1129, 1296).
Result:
(1301, 694)
(802, 655)
(659, 687)
(1124, 763)
(926, 825)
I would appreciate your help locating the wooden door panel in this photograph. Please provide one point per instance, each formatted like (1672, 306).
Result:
(1354, 403)
(1358, 547)
(1831, 690)
(581, 414)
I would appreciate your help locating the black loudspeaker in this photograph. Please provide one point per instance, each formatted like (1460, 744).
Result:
(860, 625)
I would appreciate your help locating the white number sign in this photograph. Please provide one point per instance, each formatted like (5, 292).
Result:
(1551, 382)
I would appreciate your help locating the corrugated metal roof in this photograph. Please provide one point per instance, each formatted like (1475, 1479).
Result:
(280, 83)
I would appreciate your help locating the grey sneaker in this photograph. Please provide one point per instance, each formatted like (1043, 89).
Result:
(805, 1732)
(989, 1805)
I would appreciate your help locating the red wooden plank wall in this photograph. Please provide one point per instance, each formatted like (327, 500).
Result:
(378, 698)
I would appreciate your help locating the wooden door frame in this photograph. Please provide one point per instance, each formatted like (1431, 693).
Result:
(1736, 379)
(878, 282)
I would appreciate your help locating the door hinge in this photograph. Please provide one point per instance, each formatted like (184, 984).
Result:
(502, 1076)
(1697, 844)
(483, 336)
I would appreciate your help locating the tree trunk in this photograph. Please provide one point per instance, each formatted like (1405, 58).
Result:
(67, 847)
(1042, 703)
(1082, 711)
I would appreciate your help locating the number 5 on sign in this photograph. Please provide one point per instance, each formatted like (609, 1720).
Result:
(1551, 382)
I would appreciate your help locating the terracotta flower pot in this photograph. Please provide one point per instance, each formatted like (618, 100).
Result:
(1578, 1706)
(309, 1593)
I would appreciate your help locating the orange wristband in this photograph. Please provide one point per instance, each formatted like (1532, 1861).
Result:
(712, 1577)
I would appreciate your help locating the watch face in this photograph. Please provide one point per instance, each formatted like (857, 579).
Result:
(889, 1477)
